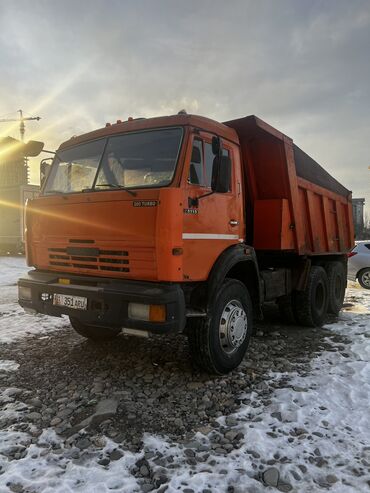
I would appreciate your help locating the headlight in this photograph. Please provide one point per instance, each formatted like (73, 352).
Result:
(147, 313)
(24, 293)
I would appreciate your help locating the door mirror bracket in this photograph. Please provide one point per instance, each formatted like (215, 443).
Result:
(194, 201)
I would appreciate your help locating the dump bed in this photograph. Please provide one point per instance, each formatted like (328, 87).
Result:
(292, 203)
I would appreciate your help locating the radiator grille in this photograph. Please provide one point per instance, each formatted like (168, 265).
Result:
(99, 260)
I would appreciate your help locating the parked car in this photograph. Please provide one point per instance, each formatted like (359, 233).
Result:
(359, 263)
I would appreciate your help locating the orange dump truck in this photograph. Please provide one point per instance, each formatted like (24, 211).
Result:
(184, 224)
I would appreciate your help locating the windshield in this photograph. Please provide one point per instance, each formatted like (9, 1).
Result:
(75, 169)
(142, 159)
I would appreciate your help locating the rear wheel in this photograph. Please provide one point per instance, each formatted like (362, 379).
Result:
(337, 286)
(93, 332)
(219, 341)
(364, 278)
(311, 305)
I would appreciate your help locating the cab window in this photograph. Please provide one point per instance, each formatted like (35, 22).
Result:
(201, 163)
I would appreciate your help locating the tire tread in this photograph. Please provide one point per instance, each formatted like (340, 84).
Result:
(303, 300)
(199, 336)
(332, 269)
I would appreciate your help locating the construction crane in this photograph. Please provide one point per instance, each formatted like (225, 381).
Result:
(21, 120)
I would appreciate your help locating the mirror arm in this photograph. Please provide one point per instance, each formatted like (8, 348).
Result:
(194, 201)
(51, 152)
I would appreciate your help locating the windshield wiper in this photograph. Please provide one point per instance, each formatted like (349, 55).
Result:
(115, 185)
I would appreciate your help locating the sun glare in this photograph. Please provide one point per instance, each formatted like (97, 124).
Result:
(66, 218)
(7, 151)
(57, 90)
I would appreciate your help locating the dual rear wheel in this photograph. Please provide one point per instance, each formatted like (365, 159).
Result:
(324, 293)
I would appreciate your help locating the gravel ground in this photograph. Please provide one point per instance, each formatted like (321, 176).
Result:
(148, 386)
(77, 401)
(157, 390)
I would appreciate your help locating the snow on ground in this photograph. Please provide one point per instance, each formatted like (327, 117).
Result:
(11, 268)
(331, 403)
(319, 423)
(14, 322)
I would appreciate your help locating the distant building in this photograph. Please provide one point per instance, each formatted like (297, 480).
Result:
(358, 217)
(14, 191)
(13, 173)
(13, 167)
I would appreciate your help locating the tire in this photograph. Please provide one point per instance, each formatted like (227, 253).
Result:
(218, 342)
(337, 286)
(311, 305)
(364, 278)
(286, 309)
(93, 332)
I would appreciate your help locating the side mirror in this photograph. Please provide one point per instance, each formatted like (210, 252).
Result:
(216, 146)
(44, 170)
(33, 148)
(221, 174)
(15, 149)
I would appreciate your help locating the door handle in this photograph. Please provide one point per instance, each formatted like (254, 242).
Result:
(233, 222)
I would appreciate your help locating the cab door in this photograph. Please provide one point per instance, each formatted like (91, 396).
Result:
(217, 220)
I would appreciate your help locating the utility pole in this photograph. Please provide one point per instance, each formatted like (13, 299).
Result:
(21, 120)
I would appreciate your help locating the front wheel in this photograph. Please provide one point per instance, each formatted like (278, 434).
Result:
(93, 332)
(364, 278)
(219, 341)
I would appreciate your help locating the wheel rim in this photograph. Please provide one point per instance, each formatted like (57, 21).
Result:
(366, 278)
(233, 327)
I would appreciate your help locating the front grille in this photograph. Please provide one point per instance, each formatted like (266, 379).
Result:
(91, 259)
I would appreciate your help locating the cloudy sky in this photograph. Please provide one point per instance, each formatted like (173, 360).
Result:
(301, 65)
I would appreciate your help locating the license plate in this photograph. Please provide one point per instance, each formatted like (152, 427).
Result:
(75, 302)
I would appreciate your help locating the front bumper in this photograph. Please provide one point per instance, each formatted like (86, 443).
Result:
(108, 300)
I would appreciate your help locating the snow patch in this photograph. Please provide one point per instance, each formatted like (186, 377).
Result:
(14, 322)
(11, 269)
(8, 365)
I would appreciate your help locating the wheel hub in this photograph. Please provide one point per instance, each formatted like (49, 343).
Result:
(366, 278)
(233, 326)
